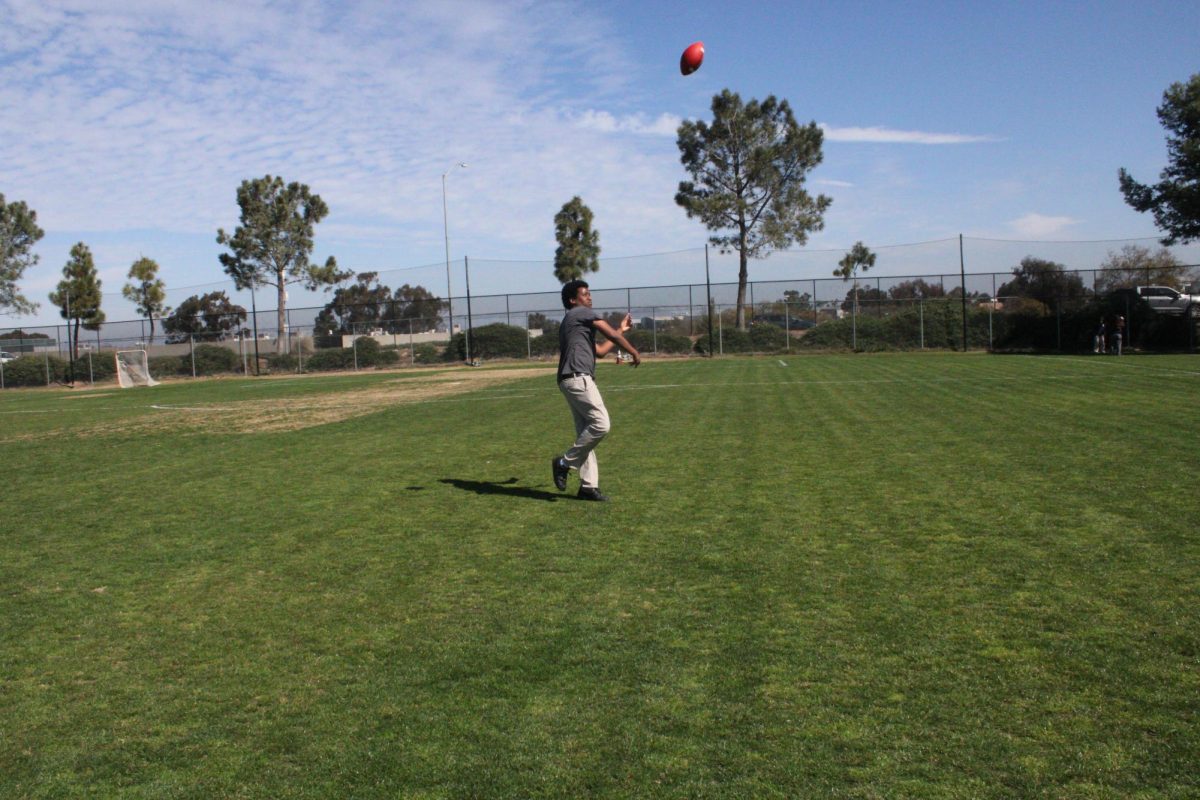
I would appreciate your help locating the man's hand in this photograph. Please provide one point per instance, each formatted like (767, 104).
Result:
(627, 323)
(616, 337)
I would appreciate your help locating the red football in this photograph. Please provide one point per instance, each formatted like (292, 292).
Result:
(692, 58)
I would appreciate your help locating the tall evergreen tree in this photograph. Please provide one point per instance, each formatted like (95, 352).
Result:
(148, 293)
(578, 245)
(19, 232)
(1175, 200)
(858, 258)
(272, 244)
(748, 169)
(78, 294)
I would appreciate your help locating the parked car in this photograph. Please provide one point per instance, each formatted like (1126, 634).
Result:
(6, 356)
(1166, 300)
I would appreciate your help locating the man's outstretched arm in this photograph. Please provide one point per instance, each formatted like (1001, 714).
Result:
(616, 339)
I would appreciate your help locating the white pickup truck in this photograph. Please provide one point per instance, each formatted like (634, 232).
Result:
(1166, 300)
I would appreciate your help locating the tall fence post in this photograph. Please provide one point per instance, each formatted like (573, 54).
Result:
(962, 271)
(1058, 324)
(354, 347)
(46, 359)
(921, 315)
(412, 353)
(708, 300)
(720, 331)
(1129, 328)
(528, 342)
(192, 351)
(991, 308)
(787, 328)
(691, 328)
(654, 326)
(991, 342)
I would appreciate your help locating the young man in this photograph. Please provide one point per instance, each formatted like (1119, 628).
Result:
(578, 352)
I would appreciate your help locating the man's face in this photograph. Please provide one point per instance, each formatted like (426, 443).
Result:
(584, 297)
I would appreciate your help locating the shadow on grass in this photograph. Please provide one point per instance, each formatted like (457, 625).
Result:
(501, 487)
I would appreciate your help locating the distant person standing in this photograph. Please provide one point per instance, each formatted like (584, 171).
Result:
(1098, 342)
(1118, 334)
(578, 352)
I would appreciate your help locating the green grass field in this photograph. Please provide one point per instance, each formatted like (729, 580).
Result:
(894, 576)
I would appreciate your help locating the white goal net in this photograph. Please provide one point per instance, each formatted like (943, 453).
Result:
(133, 369)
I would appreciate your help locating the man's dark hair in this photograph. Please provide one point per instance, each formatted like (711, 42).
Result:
(570, 290)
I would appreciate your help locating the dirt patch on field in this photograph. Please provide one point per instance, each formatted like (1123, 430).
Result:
(295, 413)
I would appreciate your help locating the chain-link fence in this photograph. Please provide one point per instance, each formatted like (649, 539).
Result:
(943, 310)
(1000, 323)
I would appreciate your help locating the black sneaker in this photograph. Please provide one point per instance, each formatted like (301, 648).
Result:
(586, 493)
(560, 470)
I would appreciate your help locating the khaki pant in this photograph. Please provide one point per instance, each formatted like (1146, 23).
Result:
(591, 425)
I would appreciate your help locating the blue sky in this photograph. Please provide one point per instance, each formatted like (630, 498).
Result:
(129, 126)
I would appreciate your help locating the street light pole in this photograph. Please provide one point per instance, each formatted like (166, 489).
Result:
(446, 232)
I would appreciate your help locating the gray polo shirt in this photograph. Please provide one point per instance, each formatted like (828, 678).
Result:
(577, 342)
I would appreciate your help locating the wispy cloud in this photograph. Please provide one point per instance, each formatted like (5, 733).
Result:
(879, 135)
(1039, 225)
(605, 122)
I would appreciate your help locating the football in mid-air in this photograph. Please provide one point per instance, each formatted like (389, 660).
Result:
(692, 58)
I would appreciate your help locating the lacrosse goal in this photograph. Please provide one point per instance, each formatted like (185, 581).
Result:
(133, 369)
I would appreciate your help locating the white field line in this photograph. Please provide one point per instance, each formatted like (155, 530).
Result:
(168, 407)
(24, 412)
